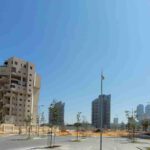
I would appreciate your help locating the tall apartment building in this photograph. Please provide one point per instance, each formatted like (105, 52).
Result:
(116, 121)
(104, 101)
(140, 112)
(147, 111)
(19, 91)
(56, 113)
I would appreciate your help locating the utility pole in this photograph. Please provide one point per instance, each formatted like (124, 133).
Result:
(101, 119)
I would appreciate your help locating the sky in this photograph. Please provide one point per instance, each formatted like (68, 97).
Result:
(72, 41)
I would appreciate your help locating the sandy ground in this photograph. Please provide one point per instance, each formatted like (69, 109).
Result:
(108, 133)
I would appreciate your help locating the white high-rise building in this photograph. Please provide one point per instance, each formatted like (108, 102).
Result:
(147, 111)
(140, 112)
(105, 101)
(116, 121)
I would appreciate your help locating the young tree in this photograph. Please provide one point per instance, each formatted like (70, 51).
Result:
(122, 126)
(145, 124)
(131, 125)
(78, 124)
(43, 120)
(84, 125)
(28, 122)
(20, 130)
(38, 124)
(1, 109)
(54, 122)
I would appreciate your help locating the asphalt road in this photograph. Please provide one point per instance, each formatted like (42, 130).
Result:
(91, 143)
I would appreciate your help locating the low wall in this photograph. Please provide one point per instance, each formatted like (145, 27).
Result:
(12, 129)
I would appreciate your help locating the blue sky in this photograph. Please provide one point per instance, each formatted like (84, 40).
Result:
(70, 41)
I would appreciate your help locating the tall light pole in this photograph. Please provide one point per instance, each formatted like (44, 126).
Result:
(101, 116)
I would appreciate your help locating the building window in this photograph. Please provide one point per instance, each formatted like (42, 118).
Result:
(31, 67)
(12, 86)
(13, 69)
(30, 74)
(16, 63)
(24, 79)
(24, 66)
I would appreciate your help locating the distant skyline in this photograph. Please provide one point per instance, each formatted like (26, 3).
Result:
(70, 42)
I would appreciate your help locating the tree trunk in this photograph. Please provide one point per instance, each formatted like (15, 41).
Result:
(54, 138)
(51, 137)
(29, 134)
(77, 133)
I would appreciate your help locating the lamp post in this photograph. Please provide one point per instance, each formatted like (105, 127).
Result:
(101, 114)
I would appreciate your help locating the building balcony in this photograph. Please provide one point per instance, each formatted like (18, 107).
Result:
(7, 94)
(4, 71)
(14, 87)
(4, 87)
(16, 76)
(16, 80)
(6, 105)
(10, 119)
(6, 110)
(4, 80)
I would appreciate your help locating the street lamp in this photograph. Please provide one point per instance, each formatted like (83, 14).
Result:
(101, 117)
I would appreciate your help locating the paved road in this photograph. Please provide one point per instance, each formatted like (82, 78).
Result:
(20, 143)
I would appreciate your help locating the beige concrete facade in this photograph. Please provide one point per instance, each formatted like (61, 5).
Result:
(19, 92)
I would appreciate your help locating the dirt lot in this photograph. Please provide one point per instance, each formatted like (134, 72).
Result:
(89, 133)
